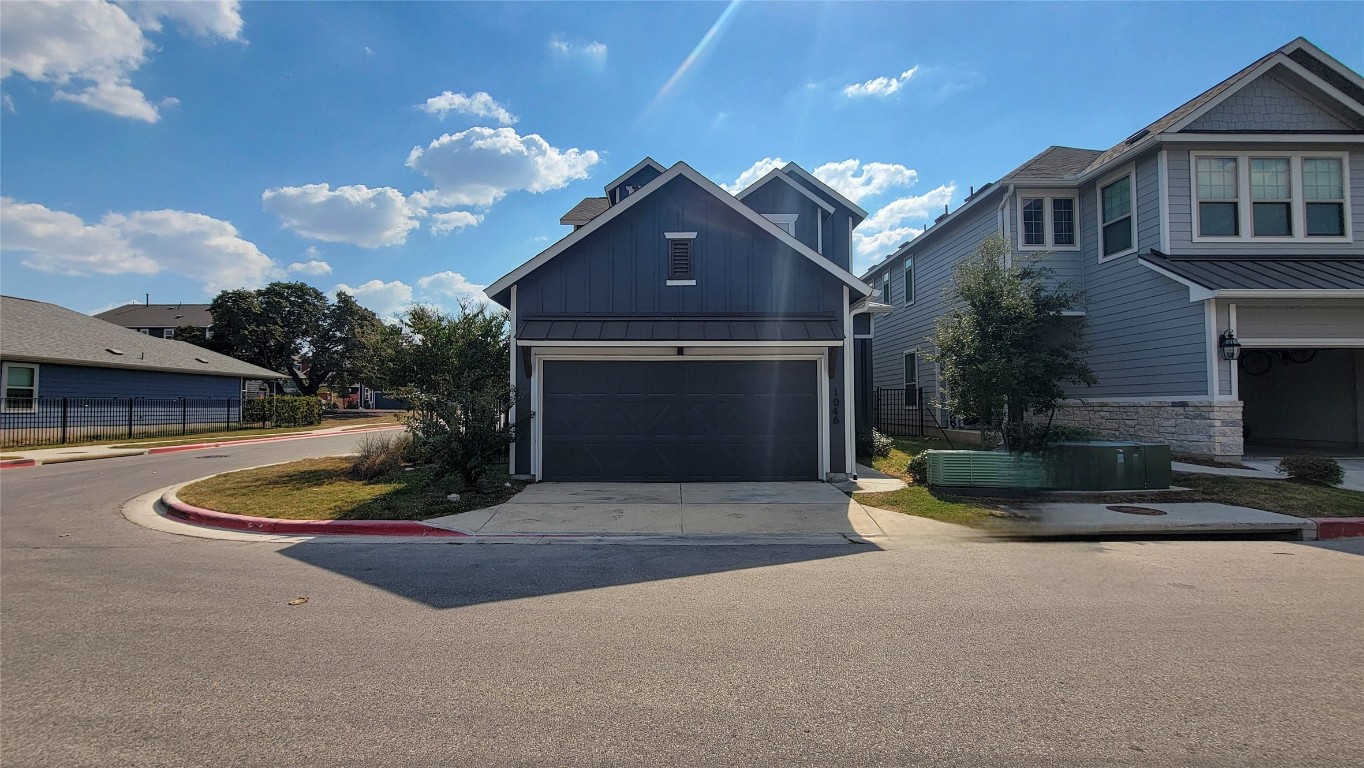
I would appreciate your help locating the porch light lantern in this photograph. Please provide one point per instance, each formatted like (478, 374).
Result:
(1229, 344)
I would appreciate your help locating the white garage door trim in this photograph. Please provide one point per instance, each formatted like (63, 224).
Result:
(625, 354)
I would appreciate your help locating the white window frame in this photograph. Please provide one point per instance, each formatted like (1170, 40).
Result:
(915, 389)
(887, 285)
(4, 387)
(907, 269)
(786, 221)
(167, 333)
(1297, 207)
(1197, 201)
(1131, 173)
(1048, 221)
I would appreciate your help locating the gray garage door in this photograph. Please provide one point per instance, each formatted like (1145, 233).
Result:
(680, 420)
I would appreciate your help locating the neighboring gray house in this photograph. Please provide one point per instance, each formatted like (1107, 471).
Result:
(681, 333)
(1239, 214)
(159, 320)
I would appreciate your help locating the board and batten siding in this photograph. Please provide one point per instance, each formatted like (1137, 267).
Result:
(621, 269)
(1178, 161)
(88, 381)
(777, 197)
(637, 180)
(1145, 338)
(907, 328)
(837, 228)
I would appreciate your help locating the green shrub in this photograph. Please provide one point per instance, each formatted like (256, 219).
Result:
(283, 410)
(379, 454)
(871, 443)
(918, 468)
(1312, 470)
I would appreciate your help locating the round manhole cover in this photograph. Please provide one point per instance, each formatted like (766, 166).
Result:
(1127, 510)
(224, 455)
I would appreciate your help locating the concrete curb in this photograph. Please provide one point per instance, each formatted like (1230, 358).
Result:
(1339, 527)
(17, 463)
(213, 519)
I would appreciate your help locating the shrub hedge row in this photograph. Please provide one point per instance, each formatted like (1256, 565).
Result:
(283, 410)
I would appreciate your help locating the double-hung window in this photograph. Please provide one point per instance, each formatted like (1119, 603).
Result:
(912, 378)
(1115, 215)
(1276, 196)
(20, 386)
(909, 280)
(1046, 221)
(885, 287)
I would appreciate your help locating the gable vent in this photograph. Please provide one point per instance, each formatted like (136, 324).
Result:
(679, 259)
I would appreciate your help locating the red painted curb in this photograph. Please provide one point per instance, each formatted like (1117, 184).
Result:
(254, 441)
(207, 517)
(1339, 527)
(17, 463)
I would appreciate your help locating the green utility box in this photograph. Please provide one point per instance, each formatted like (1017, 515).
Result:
(984, 469)
(1103, 465)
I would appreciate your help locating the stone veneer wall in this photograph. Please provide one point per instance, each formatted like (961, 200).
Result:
(1202, 428)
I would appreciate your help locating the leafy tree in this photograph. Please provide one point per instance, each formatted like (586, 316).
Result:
(292, 328)
(453, 369)
(1004, 346)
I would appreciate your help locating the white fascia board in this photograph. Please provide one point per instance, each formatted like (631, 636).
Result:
(776, 173)
(804, 174)
(871, 307)
(933, 229)
(1259, 138)
(1278, 60)
(1196, 292)
(1290, 293)
(648, 161)
(1325, 58)
(608, 344)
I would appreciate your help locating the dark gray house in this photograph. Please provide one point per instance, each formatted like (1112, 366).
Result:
(681, 333)
(1237, 218)
(159, 320)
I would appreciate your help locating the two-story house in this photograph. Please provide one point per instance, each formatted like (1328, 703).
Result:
(1221, 253)
(159, 320)
(683, 333)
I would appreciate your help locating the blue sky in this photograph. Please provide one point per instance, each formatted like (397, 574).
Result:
(413, 152)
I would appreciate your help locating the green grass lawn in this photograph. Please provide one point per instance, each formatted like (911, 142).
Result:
(920, 501)
(1283, 496)
(321, 489)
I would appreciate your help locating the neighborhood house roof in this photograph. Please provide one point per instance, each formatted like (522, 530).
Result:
(589, 209)
(159, 315)
(35, 331)
(1055, 163)
(680, 328)
(1257, 273)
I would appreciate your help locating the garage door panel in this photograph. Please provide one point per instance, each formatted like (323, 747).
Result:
(680, 420)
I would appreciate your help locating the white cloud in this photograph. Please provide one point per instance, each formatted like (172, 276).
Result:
(868, 249)
(879, 86)
(856, 181)
(478, 105)
(386, 299)
(89, 51)
(143, 242)
(922, 207)
(450, 284)
(593, 50)
(311, 267)
(353, 214)
(445, 223)
(481, 165)
(753, 173)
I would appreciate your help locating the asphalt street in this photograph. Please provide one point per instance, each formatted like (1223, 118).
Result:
(120, 645)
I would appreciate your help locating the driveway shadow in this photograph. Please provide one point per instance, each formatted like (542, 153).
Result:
(456, 575)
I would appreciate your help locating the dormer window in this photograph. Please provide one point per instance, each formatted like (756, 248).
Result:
(681, 258)
(786, 221)
(1046, 221)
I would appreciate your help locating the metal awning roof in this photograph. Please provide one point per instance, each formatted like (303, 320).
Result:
(1255, 273)
(679, 328)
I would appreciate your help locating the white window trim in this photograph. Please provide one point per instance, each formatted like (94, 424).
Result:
(1298, 206)
(670, 236)
(887, 285)
(786, 221)
(1048, 225)
(909, 274)
(4, 387)
(144, 331)
(1131, 173)
(906, 384)
(167, 333)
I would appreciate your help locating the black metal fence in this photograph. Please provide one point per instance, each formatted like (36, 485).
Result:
(899, 411)
(57, 420)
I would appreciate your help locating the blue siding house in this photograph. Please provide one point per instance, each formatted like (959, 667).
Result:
(1237, 218)
(681, 333)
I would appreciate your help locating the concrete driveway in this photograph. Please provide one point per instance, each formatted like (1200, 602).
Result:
(695, 508)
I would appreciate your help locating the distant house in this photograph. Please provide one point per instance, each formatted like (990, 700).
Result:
(159, 320)
(49, 354)
(1221, 253)
(683, 333)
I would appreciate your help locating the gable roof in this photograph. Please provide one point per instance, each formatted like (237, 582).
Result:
(832, 193)
(1054, 163)
(647, 162)
(681, 169)
(585, 211)
(158, 315)
(778, 174)
(36, 331)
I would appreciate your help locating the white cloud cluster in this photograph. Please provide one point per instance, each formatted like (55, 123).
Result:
(450, 284)
(593, 50)
(386, 299)
(89, 50)
(894, 222)
(390, 299)
(311, 267)
(856, 180)
(880, 87)
(479, 105)
(481, 165)
(445, 223)
(354, 214)
(753, 173)
(143, 242)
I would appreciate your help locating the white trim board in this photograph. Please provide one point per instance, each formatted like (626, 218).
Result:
(776, 173)
(646, 162)
(624, 344)
(1303, 343)
(686, 171)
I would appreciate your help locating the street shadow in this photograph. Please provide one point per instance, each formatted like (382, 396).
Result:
(457, 575)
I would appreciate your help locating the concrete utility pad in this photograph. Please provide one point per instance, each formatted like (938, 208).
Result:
(1089, 519)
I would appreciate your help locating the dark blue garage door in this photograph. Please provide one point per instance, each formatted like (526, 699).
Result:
(680, 420)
